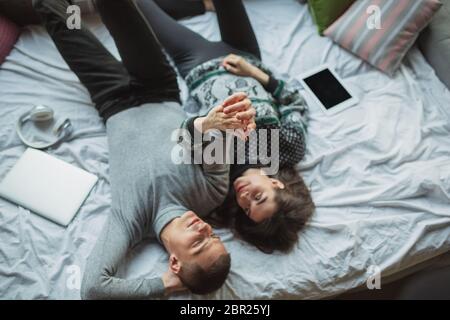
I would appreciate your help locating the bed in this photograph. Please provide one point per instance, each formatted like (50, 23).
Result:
(379, 172)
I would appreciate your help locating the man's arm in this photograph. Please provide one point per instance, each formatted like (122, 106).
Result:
(198, 147)
(100, 281)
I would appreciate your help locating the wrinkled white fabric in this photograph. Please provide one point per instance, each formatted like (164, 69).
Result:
(379, 172)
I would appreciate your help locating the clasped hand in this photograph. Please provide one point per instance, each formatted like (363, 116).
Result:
(235, 113)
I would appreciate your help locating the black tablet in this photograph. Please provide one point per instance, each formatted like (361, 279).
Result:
(327, 90)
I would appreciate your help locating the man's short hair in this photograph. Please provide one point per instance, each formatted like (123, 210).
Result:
(201, 281)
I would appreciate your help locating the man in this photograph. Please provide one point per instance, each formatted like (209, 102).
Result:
(139, 102)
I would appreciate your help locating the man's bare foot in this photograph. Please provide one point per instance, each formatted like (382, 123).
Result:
(209, 6)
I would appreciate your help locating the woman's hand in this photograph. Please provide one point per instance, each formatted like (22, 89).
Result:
(236, 112)
(238, 65)
(172, 282)
(243, 112)
(241, 67)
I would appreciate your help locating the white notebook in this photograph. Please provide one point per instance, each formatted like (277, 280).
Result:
(47, 186)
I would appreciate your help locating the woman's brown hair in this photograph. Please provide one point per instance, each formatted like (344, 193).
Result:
(280, 232)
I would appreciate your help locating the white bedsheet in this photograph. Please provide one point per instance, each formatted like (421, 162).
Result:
(379, 172)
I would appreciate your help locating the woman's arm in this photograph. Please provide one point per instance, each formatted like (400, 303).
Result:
(240, 66)
(292, 107)
(292, 139)
(294, 119)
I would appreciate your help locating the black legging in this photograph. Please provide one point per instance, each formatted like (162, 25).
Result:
(143, 76)
(187, 48)
(179, 9)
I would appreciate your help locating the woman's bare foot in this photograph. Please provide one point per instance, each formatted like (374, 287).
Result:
(209, 6)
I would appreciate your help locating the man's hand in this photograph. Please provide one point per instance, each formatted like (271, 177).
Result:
(235, 113)
(172, 282)
(217, 119)
(241, 67)
(242, 108)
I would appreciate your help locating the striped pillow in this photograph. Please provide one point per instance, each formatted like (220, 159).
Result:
(9, 33)
(382, 44)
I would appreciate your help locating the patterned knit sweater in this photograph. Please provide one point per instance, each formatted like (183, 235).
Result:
(279, 105)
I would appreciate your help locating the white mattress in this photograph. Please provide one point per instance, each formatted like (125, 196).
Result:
(379, 172)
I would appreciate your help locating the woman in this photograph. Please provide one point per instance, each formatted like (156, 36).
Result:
(267, 211)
